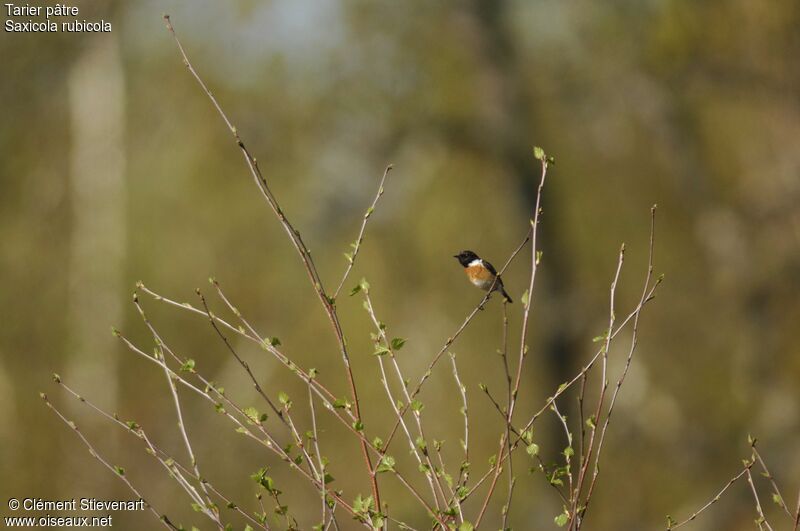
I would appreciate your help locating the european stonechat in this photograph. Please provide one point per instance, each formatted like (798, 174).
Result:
(481, 273)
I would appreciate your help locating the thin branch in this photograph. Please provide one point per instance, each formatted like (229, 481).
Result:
(208, 507)
(603, 387)
(631, 350)
(351, 257)
(306, 377)
(767, 474)
(671, 525)
(762, 520)
(511, 479)
(161, 517)
(463, 473)
(157, 453)
(414, 449)
(269, 443)
(563, 420)
(322, 392)
(320, 462)
(238, 358)
(566, 385)
(456, 334)
(523, 347)
(328, 303)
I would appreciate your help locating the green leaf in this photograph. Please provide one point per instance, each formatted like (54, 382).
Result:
(538, 153)
(777, 499)
(253, 414)
(387, 464)
(119, 470)
(362, 505)
(448, 479)
(524, 298)
(417, 406)
(568, 452)
(264, 480)
(283, 398)
(397, 343)
(377, 442)
(381, 350)
(188, 366)
(562, 519)
(421, 444)
(355, 290)
(466, 526)
(527, 435)
(532, 449)
(341, 403)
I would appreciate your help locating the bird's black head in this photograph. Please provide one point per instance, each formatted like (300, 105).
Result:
(465, 257)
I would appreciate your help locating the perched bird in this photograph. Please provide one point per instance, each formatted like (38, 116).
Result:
(481, 273)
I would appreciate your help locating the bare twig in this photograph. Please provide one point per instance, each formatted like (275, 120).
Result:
(523, 347)
(574, 518)
(318, 388)
(511, 479)
(463, 472)
(420, 452)
(567, 385)
(631, 350)
(241, 426)
(671, 524)
(238, 358)
(567, 457)
(207, 506)
(328, 303)
(450, 340)
(767, 474)
(166, 460)
(320, 462)
(351, 257)
(114, 470)
(762, 520)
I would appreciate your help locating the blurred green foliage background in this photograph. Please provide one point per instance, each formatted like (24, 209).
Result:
(116, 168)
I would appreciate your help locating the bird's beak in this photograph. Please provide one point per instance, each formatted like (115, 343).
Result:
(455, 256)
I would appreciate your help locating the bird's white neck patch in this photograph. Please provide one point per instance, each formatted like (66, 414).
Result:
(475, 262)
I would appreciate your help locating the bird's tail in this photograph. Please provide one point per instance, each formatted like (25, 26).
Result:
(506, 295)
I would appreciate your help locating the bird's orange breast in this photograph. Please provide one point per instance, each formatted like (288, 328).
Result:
(479, 275)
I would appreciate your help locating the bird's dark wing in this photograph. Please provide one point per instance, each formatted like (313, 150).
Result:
(490, 267)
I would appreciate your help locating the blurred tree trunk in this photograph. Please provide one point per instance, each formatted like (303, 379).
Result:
(95, 271)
